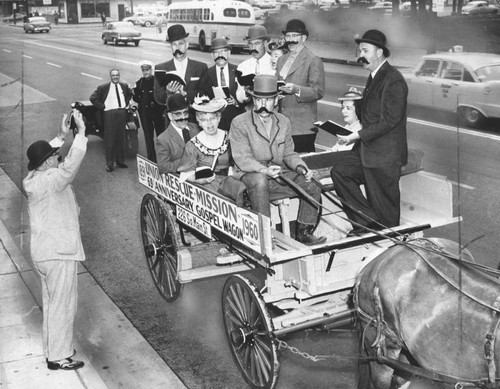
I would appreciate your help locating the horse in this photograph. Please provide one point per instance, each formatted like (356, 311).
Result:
(425, 309)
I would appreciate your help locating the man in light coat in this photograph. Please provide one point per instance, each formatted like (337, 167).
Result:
(56, 246)
(304, 76)
(262, 149)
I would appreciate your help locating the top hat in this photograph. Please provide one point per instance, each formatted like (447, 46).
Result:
(176, 32)
(257, 32)
(351, 95)
(265, 86)
(146, 63)
(219, 43)
(202, 103)
(376, 38)
(296, 25)
(39, 152)
(176, 102)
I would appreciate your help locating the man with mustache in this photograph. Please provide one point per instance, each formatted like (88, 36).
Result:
(380, 147)
(170, 144)
(304, 76)
(262, 148)
(222, 75)
(188, 69)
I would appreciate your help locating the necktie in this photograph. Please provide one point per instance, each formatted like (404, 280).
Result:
(257, 67)
(185, 135)
(368, 82)
(222, 78)
(118, 96)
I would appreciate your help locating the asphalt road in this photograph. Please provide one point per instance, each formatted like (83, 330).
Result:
(67, 65)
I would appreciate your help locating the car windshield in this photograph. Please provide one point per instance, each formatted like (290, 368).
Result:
(39, 19)
(122, 25)
(489, 73)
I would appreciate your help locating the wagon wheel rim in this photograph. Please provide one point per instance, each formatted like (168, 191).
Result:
(248, 325)
(160, 246)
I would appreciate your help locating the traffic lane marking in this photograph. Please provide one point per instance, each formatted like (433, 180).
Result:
(90, 75)
(27, 56)
(53, 64)
(7, 51)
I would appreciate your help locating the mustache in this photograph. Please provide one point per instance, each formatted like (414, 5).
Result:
(181, 119)
(178, 52)
(262, 109)
(221, 57)
(254, 51)
(362, 60)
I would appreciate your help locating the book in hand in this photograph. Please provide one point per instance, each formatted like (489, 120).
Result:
(333, 128)
(221, 92)
(245, 80)
(164, 78)
(203, 172)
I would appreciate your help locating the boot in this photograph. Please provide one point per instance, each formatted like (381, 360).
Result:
(304, 234)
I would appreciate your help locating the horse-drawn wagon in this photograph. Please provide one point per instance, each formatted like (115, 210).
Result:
(190, 233)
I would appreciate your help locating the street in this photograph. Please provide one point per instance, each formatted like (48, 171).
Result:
(68, 64)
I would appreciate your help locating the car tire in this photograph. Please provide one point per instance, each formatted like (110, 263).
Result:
(202, 41)
(115, 41)
(136, 43)
(26, 31)
(471, 117)
(147, 23)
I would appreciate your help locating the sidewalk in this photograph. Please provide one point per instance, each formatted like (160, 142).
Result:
(115, 353)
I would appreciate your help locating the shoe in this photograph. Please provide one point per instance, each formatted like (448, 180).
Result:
(65, 364)
(122, 165)
(305, 235)
(109, 168)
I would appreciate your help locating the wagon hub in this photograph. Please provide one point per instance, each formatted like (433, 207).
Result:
(152, 249)
(241, 336)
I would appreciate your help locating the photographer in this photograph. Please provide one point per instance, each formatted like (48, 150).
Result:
(56, 245)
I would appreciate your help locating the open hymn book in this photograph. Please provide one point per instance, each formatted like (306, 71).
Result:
(333, 128)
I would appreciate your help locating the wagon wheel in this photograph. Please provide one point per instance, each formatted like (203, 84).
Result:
(160, 246)
(247, 324)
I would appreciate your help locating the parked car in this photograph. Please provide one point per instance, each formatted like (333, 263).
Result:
(141, 19)
(381, 7)
(467, 83)
(36, 24)
(259, 13)
(18, 16)
(121, 32)
(479, 7)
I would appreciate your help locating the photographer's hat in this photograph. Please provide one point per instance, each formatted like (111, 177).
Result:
(39, 152)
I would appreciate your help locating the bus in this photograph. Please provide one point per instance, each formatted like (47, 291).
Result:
(207, 19)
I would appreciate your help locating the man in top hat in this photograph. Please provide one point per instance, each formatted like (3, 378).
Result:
(112, 99)
(304, 75)
(222, 75)
(263, 150)
(56, 245)
(380, 147)
(150, 112)
(188, 69)
(170, 144)
(260, 60)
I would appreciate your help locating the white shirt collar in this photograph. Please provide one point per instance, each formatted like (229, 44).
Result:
(377, 69)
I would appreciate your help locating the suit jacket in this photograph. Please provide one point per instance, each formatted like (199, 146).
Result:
(253, 150)
(98, 97)
(209, 79)
(383, 117)
(170, 146)
(54, 212)
(307, 71)
(194, 71)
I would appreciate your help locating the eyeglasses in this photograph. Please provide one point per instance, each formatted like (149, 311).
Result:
(178, 114)
(255, 43)
(115, 75)
(293, 36)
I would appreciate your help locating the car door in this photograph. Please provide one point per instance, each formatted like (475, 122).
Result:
(422, 84)
(447, 91)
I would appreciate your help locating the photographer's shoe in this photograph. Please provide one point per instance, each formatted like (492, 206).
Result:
(122, 165)
(65, 364)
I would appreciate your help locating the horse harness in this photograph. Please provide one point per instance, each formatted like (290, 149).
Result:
(383, 332)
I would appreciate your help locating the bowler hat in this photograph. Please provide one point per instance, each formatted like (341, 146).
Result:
(257, 32)
(176, 102)
(219, 43)
(296, 25)
(265, 86)
(376, 38)
(39, 152)
(176, 32)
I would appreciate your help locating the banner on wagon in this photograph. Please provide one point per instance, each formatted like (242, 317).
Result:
(201, 209)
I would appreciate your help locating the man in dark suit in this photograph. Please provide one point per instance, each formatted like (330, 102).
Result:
(188, 69)
(170, 144)
(112, 99)
(150, 112)
(380, 146)
(222, 74)
(304, 76)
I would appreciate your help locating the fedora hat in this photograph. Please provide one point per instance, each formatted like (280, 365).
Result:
(176, 102)
(376, 38)
(219, 44)
(352, 95)
(257, 32)
(296, 25)
(202, 103)
(265, 86)
(176, 32)
(39, 152)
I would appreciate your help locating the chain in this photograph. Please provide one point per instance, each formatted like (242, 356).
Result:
(295, 350)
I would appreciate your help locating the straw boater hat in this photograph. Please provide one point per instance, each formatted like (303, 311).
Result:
(376, 38)
(265, 86)
(296, 25)
(352, 95)
(219, 44)
(176, 32)
(39, 152)
(257, 32)
(203, 104)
